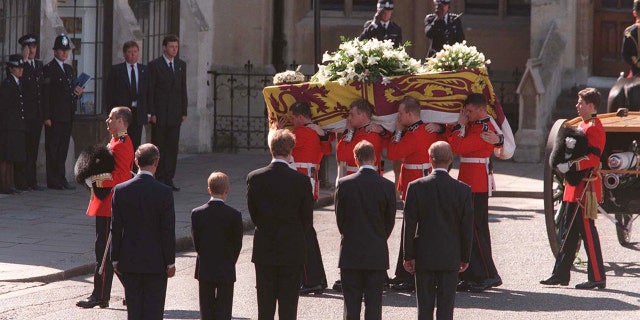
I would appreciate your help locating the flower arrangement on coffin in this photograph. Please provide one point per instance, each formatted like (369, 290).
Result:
(365, 60)
(288, 77)
(455, 57)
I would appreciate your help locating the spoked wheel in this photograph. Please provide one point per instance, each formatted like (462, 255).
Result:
(624, 224)
(553, 191)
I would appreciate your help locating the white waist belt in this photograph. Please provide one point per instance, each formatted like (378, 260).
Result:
(352, 169)
(491, 185)
(421, 166)
(306, 165)
(474, 160)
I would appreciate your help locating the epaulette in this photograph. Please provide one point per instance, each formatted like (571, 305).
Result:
(414, 126)
(121, 134)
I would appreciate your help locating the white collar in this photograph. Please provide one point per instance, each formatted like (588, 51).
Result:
(441, 169)
(368, 166)
(145, 172)
(60, 63)
(216, 199)
(166, 60)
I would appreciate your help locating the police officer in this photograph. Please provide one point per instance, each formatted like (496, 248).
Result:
(59, 105)
(381, 27)
(32, 77)
(442, 27)
(630, 52)
(12, 127)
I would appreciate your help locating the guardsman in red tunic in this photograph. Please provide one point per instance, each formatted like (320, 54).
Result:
(311, 144)
(582, 205)
(100, 206)
(475, 170)
(411, 142)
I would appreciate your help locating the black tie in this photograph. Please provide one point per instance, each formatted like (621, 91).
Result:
(171, 65)
(33, 64)
(134, 87)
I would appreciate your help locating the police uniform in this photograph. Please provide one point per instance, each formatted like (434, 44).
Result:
(413, 147)
(307, 154)
(32, 78)
(443, 31)
(475, 171)
(344, 148)
(59, 106)
(583, 224)
(381, 30)
(12, 124)
(630, 52)
(100, 207)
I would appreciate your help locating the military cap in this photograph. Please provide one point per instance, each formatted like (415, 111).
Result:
(443, 1)
(28, 40)
(62, 43)
(385, 4)
(15, 60)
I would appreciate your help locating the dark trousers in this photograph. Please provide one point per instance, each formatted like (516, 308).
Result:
(481, 265)
(436, 286)
(581, 228)
(145, 294)
(357, 284)
(102, 282)
(56, 145)
(135, 130)
(313, 271)
(34, 130)
(166, 138)
(216, 300)
(401, 273)
(277, 284)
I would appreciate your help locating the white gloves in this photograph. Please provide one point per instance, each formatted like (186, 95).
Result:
(563, 167)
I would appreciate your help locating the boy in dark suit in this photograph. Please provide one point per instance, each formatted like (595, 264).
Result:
(216, 230)
(438, 216)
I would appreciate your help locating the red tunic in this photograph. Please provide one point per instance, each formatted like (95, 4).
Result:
(122, 150)
(307, 152)
(344, 150)
(472, 146)
(596, 138)
(414, 149)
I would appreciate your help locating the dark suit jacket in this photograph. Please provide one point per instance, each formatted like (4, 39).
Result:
(32, 91)
(281, 206)
(119, 89)
(438, 215)
(216, 230)
(365, 206)
(167, 91)
(143, 226)
(58, 100)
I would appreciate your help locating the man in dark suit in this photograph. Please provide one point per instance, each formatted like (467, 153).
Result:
(168, 106)
(59, 98)
(128, 85)
(365, 206)
(216, 230)
(31, 80)
(143, 244)
(438, 216)
(381, 27)
(280, 202)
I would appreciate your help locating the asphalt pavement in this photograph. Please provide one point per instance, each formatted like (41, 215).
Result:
(45, 236)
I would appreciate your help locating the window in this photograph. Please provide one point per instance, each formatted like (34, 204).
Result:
(17, 18)
(157, 18)
(340, 5)
(498, 7)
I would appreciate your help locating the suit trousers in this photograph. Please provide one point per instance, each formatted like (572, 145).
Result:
(436, 286)
(56, 139)
(135, 130)
(145, 294)
(481, 265)
(166, 138)
(34, 130)
(102, 282)
(581, 228)
(277, 284)
(357, 284)
(401, 273)
(216, 300)
(313, 271)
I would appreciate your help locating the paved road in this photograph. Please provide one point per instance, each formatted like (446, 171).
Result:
(520, 250)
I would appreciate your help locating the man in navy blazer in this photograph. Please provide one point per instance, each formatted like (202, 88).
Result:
(365, 205)
(143, 237)
(280, 202)
(216, 230)
(128, 85)
(438, 219)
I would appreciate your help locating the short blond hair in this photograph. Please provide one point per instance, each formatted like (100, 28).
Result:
(218, 182)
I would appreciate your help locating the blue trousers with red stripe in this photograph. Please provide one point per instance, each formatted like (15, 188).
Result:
(581, 228)
(481, 265)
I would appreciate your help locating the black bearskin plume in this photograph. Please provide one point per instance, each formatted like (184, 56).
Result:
(570, 144)
(95, 159)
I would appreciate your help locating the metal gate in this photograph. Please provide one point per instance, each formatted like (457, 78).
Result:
(17, 18)
(157, 18)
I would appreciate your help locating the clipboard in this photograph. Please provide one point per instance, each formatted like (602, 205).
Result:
(81, 80)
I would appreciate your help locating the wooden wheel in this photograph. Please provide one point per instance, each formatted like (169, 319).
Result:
(553, 191)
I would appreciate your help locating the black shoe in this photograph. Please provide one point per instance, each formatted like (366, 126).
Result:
(318, 289)
(463, 286)
(337, 286)
(554, 281)
(403, 287)
(37, 187)
(25, 189)
(173, 186)
(486, 284)
(68, 186)
(92, 302)
(592, 284)
(396, 280)
(15, 191)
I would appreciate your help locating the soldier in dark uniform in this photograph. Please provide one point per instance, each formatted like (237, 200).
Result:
(12, 127)
(442, 27)
(630, 49)
(59, 105)
(32, 92)
(381, 27)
